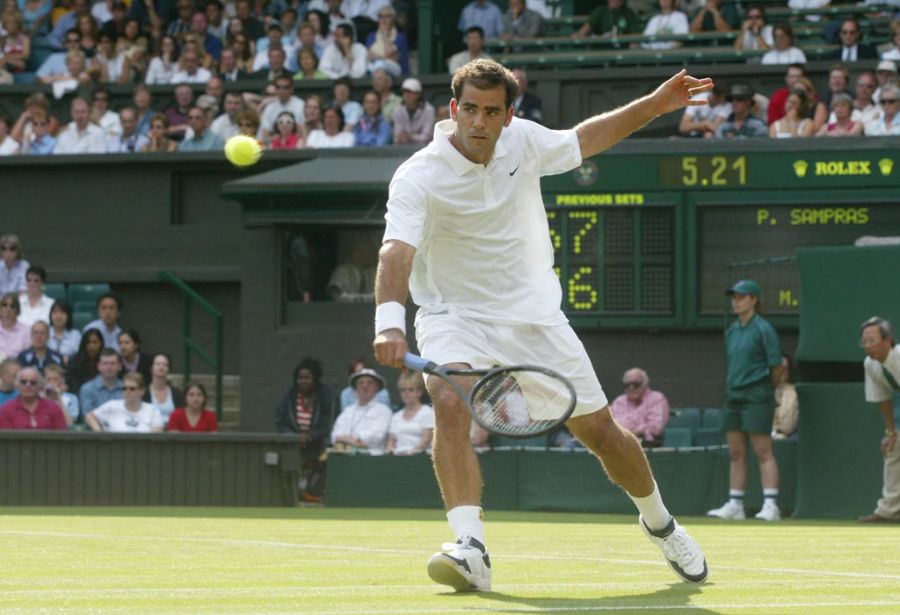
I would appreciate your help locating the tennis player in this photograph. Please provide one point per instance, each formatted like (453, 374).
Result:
(467, 235)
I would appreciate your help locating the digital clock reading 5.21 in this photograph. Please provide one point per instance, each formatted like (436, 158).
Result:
(702, 171)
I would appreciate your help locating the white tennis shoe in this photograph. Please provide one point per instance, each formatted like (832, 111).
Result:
(729, 510)
(769, 512)
(682, 552)
(463, 565)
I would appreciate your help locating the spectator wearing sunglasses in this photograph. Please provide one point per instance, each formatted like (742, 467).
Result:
(13, 266)
(889, 121)
(287, 136)
(203, 139)
(29, 410)
(641, 410)
(127, 415)
(14, 336)
(852, 49)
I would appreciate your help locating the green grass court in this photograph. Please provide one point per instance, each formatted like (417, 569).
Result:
(360, 561)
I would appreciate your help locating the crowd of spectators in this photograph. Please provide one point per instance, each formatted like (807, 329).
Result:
(191, 44)
(54, 376)
(798, 110)
(207, 43)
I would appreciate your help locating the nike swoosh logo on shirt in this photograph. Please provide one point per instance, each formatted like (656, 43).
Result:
(513, 172)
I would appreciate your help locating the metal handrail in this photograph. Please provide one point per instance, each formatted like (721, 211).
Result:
(216, 362)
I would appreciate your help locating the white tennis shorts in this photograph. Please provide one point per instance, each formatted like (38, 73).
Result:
(447, 338)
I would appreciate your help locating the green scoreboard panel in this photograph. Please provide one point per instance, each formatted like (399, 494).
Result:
(659, 233)
(752, 240)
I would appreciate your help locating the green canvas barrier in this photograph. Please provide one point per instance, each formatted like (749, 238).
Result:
(839, 462)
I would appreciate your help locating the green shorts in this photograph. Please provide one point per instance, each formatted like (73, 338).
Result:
(750, 409)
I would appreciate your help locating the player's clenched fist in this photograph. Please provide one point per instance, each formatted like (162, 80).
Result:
(390, 346)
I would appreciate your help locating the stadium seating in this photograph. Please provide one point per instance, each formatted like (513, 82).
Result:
(81, 318)
(688, 418)
(55, 290)
(81, 295)
(678, 437)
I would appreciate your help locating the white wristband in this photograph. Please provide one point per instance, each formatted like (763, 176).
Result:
(390, 315)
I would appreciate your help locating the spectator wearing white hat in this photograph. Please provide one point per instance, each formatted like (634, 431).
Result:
(886, 73)
(414, 119)
(365, 424)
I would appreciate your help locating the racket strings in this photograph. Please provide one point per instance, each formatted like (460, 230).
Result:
(521, 402)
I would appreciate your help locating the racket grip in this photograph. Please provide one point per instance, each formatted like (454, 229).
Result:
(416, 362)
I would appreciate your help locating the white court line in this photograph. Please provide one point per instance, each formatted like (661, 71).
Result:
(331, 548)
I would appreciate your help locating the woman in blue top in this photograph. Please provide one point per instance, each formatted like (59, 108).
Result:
(753, 369)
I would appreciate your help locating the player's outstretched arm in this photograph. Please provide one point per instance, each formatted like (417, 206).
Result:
(601, 132)
(391, 289)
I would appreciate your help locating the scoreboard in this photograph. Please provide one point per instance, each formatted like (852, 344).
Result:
(655, 237)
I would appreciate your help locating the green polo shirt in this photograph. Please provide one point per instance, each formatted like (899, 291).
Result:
(752, 349)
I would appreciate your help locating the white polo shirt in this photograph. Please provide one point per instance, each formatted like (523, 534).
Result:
(878, 388)
(482, 241)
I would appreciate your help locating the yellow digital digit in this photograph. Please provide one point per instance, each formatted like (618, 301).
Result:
(589, 220)
(719, 166)
(740, 165)
(689, 167)
(582, 294)
(555, 237)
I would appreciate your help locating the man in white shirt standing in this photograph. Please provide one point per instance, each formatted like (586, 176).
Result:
(882, 369)
(365, 424)
(81, 136)
(467, 236)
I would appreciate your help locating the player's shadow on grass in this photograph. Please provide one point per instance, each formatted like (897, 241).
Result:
(667, 600)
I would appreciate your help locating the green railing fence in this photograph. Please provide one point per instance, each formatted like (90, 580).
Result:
(192, 297)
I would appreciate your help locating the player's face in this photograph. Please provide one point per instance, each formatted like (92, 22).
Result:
(480, 117)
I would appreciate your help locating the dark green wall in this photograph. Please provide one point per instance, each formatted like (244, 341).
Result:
(691, 481)
(87, 469)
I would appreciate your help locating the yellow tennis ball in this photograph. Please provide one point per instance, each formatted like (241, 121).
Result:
(242, 151)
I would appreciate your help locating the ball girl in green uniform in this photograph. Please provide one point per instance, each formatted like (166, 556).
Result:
(753, 369)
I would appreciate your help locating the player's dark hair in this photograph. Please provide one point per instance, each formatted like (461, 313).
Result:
(484, 75)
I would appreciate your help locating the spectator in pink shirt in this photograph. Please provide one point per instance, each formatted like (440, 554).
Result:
(29, 410)
(641, 410)
(14, 336)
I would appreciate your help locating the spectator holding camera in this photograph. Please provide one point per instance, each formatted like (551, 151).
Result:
(755, 32)
(55, 390)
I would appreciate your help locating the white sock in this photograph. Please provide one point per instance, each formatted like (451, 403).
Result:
(652, 509)
(467, 521)
(737, 496)
(770, 495)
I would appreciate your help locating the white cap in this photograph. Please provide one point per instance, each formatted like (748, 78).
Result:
(412, 84)
(887, 65)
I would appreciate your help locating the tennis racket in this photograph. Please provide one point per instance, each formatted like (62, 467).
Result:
(520, 401)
